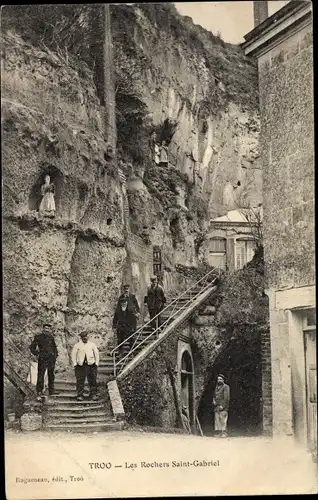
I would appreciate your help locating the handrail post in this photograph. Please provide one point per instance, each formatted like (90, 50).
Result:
(114, 363)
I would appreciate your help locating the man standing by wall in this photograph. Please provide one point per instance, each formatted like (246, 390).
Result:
(44, 348)
(155, 300)
(85, 359)
(221, 403)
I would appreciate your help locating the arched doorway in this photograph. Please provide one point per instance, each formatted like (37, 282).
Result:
(240, 363)
(187, 386)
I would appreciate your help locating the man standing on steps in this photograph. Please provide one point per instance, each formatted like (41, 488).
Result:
(221, 403)
(44, 348)
(132, 301)
(125, 319)
(155, 301)
(85, 359)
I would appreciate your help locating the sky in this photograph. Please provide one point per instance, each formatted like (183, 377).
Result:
(231, 19)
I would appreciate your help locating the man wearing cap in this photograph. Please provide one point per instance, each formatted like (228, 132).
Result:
(155, 300)
(221, 403)
(126, 314)
(44, 348)
(85, 359)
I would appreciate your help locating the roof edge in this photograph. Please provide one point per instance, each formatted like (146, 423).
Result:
(275, 19)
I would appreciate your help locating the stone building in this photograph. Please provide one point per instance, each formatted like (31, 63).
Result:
(231, 240)
(283, 45)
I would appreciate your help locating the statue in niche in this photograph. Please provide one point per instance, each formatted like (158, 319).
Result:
(47, 205)
(155, 150)
(109, 156)
(164, 162)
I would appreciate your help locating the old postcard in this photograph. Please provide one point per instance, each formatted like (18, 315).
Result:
(158, 247)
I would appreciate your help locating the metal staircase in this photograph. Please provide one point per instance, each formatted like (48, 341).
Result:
(123, 358)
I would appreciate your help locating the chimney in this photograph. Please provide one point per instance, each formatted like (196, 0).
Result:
(260, 11)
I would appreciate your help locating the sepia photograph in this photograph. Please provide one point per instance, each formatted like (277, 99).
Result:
(158, 228)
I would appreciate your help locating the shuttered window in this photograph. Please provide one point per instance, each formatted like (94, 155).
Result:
(218, 245)
(244, 250)
(217, 253)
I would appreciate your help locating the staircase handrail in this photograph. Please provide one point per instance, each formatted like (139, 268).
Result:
(23, 385)
(154, 332)
(18, 351)
(174, 301)
(171, 316)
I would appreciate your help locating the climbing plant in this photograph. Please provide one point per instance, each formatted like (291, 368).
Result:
(147, 394)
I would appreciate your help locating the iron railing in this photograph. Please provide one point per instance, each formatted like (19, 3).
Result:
(190, 294)
(17, 361)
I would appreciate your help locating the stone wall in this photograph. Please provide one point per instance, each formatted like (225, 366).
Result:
(287, 151)
(287, 139)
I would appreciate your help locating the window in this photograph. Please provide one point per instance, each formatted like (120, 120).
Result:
(244, 250)
(218, 245)
(309, 318)
(157, 261)
(217, 253)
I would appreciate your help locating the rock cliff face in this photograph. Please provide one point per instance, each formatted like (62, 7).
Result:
(179, 73)
(69, 269)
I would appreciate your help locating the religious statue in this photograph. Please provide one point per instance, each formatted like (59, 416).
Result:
(47, 205)
(155, 150)
(164, 154)
(109, 153)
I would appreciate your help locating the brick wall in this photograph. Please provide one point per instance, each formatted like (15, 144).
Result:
(266, 382)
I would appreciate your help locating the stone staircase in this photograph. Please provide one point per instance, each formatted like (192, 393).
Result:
(62, 412)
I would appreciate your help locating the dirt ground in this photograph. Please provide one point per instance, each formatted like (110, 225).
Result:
(128, 464)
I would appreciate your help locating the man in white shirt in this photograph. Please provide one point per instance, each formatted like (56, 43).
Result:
(85, 359)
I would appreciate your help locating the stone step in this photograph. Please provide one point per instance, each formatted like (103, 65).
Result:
(71, 401)
(67, 393)
(78, 420)
(71, 408)
(99, 412)
(98, 427)
(59, 384)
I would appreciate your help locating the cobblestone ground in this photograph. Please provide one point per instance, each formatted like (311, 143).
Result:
(127, 464)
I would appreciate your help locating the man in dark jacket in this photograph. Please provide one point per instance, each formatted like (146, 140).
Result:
(126, 314)
(221, 403)
(155, 301)
(133, 305)
(44, 348)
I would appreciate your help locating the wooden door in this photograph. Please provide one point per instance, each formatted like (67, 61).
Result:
(311, 386)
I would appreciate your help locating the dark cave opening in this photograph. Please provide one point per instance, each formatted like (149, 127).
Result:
(240, 363)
